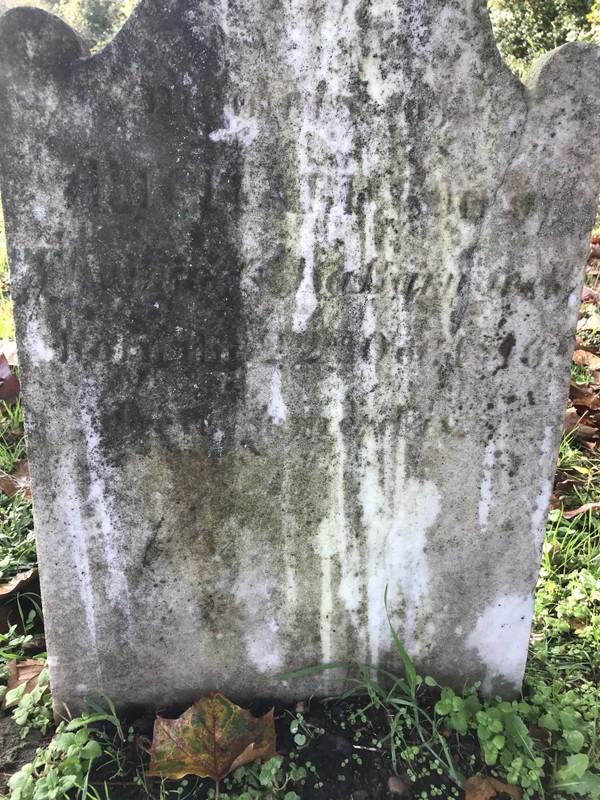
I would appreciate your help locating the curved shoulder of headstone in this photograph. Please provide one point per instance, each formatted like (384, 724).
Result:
(33, 39)
(565, 86)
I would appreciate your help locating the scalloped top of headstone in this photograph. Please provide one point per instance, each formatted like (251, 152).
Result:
(35, 39)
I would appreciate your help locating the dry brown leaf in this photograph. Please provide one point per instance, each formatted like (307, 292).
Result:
(572, 419)
(577, 624)
(590, 323)
(18, 481)
(585, 432)
(589, 295)
(575, 512)
(480, 788)
(583, 358)
(397, 787)
(22, 672)
(582, 396)
(18, 582)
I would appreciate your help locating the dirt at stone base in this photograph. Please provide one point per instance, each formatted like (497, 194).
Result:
(14, 750)
(341, 757)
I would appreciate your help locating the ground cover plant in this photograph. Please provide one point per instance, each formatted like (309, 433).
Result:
(386, 736)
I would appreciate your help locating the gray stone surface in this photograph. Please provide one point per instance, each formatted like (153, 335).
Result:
(295, 286)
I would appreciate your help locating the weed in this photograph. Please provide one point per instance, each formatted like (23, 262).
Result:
(62, 769)
(34, 707)
(17, 540)
(12, 440)
(581, 375)
(263, 781)
(302, 731)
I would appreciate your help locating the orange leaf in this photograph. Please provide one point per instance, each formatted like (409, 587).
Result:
(480, 788)
(210, 739)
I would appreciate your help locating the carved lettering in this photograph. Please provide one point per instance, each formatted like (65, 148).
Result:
(167, 100)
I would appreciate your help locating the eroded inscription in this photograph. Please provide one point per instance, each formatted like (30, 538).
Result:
(110, 187)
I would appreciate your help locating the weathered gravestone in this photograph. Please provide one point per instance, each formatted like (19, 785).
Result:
(295, 289)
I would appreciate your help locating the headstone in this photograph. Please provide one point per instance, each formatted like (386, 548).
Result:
(295, 290)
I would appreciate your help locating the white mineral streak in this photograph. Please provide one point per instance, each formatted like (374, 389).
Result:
(538, 519)
(101, 517)
(319, 58)
(262, 640)
(69, 518)
(36, 342)
(485, 496)
(333, 532)
(237, 127)
(500, 638)
(397, 521)
(276, 409)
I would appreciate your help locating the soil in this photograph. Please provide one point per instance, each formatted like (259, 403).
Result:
(15, 751)
(341, 757)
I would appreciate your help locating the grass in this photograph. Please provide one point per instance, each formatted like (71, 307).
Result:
(7, 324)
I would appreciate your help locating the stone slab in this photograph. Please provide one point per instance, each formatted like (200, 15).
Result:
(295, 290)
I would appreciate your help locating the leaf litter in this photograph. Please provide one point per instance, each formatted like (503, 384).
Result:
(582, 417)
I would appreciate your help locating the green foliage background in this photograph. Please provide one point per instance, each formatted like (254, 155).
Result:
(96, 20)
(525, 29)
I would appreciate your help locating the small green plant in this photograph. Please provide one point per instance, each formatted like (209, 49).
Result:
(34, 707)
(502, 734)
(12, 440)
(62, 768)
(17, 540)
(581, 375)
(59, 768)
(302, 731)
(264, 781)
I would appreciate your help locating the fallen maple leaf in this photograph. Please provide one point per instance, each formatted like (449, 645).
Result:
(9, 383)
(210, 739)
(480, 788)
(22, 672)
(18, 481)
